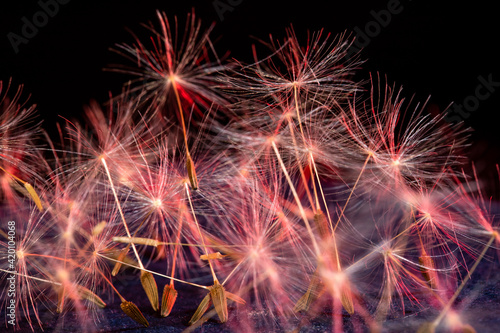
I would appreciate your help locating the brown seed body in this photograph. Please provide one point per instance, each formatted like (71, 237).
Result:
(87, 294)
(133, 312)
(313, 291)
(136, 240)
(99, 228)
(427, 265)
(321, 224)
(346, 298)
(191, 172)
(168, 299)
(61, 295)
(118, 265)
(150, 287)
(212, 256)
(235, 298)
(200, 311)
(218, 295)
(34, 196)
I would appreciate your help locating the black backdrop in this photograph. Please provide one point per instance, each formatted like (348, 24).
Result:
(438, 49)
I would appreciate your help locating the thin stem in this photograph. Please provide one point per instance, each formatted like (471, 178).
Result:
(297, 200)
(176, 248)
(72, 262)
(234, 270)
(199, 230)
(31, 277)
(153, 272)
(311, 161)
(296, 98)
(301, 169)
(121, 212)
(352, 191)
(302, 174)
(181, 112)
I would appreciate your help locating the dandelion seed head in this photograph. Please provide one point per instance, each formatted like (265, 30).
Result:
(453, 319)
(157, 203)
(271, 139)
(63, 275)
(172, 78)
(335, 278)
(20, 254)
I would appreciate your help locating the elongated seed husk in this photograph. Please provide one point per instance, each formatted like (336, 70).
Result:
(426, 265)
(191, 172)
(200, 311)
(133, 312)
(312, 293)
(212, 256)
(136, 240)
(150, 287)
(34, 196)
(346, 298)
(88, 295)
(98, 228)
(321, 224)
(218, 295)
(161, 252)
(120, 257)
(235, 298)
(168, 299)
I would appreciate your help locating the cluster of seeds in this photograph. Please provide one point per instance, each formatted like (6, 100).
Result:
(291, 186)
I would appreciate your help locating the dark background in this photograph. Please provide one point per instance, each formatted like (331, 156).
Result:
(436, 49)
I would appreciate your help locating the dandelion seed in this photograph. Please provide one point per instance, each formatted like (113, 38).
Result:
(133, 312)
(200, 311)
(136, 240)
(173, 60)
(314, 291)
(99, 228)
(168, 299)
(212, 256)
(235, 298)
(120, 258)
(219, 299)
(322, 224)
(318, 68)
(426, 266)
(346, 297)
(149, 284)
(300, 142)
(90, 296)
(29, 188)
(191, 172)
(34, 196)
